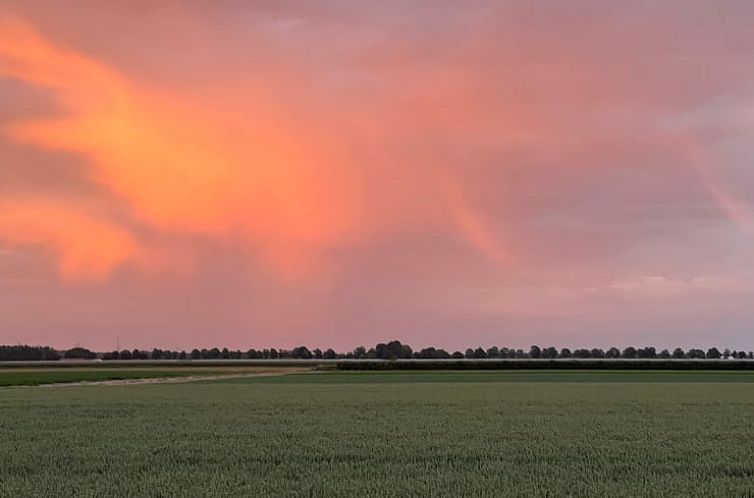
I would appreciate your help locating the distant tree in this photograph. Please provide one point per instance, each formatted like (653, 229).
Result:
(156, 354)
(329, 354)
(302, 352)
(597, 353)
(550, 353)
(582, 353)
(79, 354)
(665, 354)
(28, 353)
(479, 353)
(726, 353)
(493, 352)
(612, 353)
(182, 355)
(646, 352)
(432, 353)
(520, 354)
(565, 353)
(274, 354)
(137, 354)
(629, 352)
(225, 354)
(359, 353)
(535, 352)
(713, 353)
(697, 354)
(393, 350)
(195, 354)
(126, 355)
(678, 354)
(469, 354)
(457, 355)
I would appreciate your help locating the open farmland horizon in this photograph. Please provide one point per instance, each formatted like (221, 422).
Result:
(392, 350)
(376, 249)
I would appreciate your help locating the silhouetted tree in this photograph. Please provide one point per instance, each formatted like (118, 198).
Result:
(302, 352)
(329, 354)
(678, 354)
(646, 352)
(535, 352)
(79, 354)
(713, 353)
(550, 353)
(697, 354)
(612, 353)
(393, 350)
(665, 354)
(566, 353)
(28, 353)
(629, 352)
(480, 354)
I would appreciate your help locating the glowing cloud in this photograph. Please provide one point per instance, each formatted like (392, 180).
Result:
(180, 166)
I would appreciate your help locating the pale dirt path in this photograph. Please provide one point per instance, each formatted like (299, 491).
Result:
(171, 380)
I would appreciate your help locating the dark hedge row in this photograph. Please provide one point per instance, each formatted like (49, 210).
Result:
(552, 364)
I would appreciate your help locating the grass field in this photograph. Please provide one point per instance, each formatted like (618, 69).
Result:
(35, 377)
(385, 435)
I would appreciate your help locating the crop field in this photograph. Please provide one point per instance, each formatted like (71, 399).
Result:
(41, 376)
(397, 434)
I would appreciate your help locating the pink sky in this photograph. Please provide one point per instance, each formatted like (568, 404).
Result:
(338, 173)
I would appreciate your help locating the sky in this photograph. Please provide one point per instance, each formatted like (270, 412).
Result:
(338, 173)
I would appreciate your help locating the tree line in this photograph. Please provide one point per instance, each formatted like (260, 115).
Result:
(392, 350)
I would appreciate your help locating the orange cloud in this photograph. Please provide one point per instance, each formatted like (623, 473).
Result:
(89, 249)
(182, 166)
(247, 173)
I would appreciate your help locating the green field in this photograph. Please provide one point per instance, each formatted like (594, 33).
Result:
(385, 435)
(35, 377)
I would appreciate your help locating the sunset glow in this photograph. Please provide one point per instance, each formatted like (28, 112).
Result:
(327, 173)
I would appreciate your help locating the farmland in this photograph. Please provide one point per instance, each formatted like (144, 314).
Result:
(394, 434)
(42, 376)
